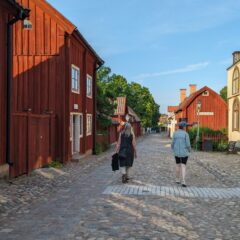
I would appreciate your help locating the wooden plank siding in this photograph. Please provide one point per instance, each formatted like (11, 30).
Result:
(39, 67)
(77, 58)
(4, 15)
(89, 101)
(212, 105)
(42, 59)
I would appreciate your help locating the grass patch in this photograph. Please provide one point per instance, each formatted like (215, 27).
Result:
(53, 164)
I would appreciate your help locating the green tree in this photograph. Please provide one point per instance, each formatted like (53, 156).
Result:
(105, 98)
(223, 93)
(139, 98)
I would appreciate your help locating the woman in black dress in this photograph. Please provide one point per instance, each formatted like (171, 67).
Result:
(126, 149)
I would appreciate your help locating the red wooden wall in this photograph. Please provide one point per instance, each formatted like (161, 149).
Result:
(39, 66)
(90, 63)
(113, 133)
(77, 57)
(5, 14)
(3, 79)
(41, 92)
(42, 59)
(86, 62)
(212, 103)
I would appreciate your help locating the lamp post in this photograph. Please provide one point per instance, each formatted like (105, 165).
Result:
(199, 104)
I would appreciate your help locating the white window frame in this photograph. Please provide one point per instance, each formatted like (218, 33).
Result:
(89, 79)
(74, 90)
(88, 124)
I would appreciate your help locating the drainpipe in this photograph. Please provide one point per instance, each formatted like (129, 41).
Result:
(21, 15)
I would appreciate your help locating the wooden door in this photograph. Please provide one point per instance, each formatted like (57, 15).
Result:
(32, 142)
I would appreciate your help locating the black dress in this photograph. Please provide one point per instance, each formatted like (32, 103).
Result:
(127, 147)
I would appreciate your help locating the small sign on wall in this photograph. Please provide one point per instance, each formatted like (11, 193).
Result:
(75, 106)
(206, 113)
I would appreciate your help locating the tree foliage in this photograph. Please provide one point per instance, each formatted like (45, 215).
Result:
(223, 93)
(105, 98)
(139, 98)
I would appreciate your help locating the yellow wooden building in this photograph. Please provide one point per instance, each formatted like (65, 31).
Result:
(233, 87)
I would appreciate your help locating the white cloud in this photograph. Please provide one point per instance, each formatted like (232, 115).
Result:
(188, 68)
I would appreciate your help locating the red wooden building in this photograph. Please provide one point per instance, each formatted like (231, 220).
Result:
(213, 111)
(10, 13)
(135, 122)
(124, 113)
(53, 91)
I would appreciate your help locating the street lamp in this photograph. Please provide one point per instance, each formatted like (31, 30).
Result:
(199, 104)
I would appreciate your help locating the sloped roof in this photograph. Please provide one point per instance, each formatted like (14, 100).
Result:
(163, 117)
(172, 108)
(68, 26)
(23, 12)
(182, 106)
(133, 114)
(121, 106)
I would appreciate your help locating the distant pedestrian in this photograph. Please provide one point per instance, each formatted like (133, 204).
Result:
(126, 149)
(181, 147)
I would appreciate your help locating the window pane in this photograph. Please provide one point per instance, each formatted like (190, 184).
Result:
(72, 73)
(235, 75)
(75, 79)
(235, 120)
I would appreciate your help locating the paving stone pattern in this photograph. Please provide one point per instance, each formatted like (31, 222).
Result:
(176, 191)
(70, 204)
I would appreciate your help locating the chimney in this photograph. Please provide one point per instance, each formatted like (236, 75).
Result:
(236, 56)
(192, 88)
(183, 94)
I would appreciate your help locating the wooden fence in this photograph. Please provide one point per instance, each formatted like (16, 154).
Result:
(215, 138)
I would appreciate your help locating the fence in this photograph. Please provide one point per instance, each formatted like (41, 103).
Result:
(214, 140)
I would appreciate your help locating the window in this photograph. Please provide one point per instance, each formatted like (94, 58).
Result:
(205, 93)
(89, 86)
(75, 79)
(235, 115)
(89, 124)
(235, 81)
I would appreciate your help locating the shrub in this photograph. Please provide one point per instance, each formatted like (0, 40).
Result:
(101, 147)
(222, 146)
(54, 164)
(216, 145)
(105, 146)
(98, 148)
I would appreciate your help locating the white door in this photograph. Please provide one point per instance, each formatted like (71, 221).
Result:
(75, 132)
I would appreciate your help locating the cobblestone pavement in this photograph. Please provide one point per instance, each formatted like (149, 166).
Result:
(86, 200)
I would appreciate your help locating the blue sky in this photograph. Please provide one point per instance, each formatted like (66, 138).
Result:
(164, 45)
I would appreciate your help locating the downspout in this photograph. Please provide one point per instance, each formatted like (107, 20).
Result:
(21, 15)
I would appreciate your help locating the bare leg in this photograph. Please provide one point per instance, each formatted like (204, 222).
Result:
(123, 170)
(178, 171)
(124, 174)
(183, 166)
(127, 171)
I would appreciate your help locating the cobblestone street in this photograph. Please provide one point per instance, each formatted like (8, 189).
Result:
(86, 200)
